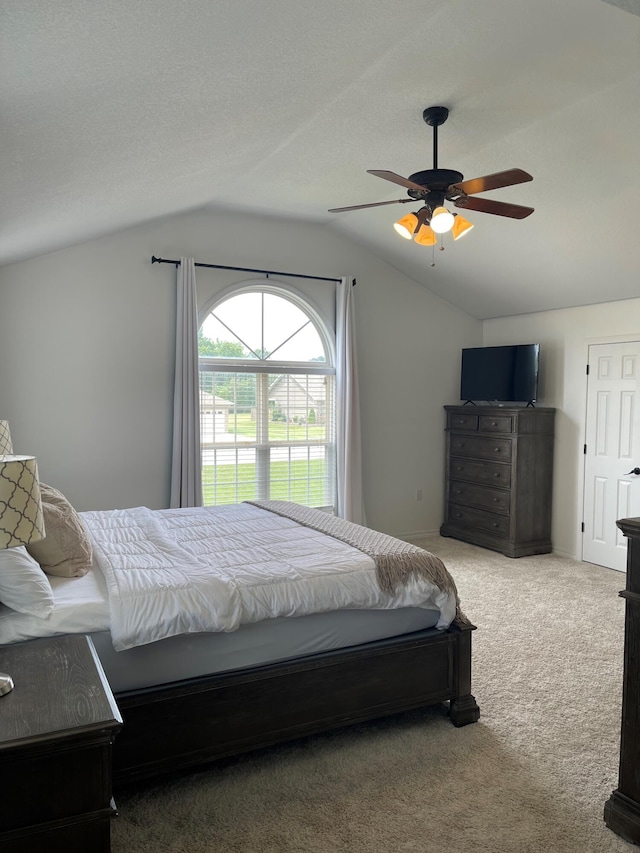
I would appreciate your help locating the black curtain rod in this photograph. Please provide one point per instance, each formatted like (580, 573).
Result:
(155, 260)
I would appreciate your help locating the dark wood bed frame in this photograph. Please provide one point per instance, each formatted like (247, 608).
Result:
(187, 723)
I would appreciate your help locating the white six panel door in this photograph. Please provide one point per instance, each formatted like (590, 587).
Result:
(613, 450)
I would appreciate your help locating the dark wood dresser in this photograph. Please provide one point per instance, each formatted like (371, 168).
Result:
(622, 809)
(499, 477)
(56, 730)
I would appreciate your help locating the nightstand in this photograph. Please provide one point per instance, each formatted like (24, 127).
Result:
(56, 730)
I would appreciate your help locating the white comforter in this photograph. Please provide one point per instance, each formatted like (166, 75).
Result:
(179, 571)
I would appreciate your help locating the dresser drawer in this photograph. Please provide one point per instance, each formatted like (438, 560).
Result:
(458, 421)
(497, 423)
(478, 519)
(486, 473)
(484, 497)
(479, 447)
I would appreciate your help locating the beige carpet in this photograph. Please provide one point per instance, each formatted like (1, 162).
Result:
(533, 775)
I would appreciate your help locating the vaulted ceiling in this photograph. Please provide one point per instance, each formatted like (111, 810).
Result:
(118, 112)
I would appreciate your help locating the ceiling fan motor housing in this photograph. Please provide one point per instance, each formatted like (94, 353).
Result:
(437, 179)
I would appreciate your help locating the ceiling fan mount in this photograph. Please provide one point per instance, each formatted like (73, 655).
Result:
(433, 186)
(435, 116)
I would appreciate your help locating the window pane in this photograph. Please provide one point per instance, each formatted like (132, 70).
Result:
(289, 334)
(227, 407)
(298, 408)
(301, 474)
(242, 314)
(228, 475)
(304, 345)
(216, 340)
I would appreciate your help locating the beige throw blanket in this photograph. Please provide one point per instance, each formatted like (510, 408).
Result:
(396, 561)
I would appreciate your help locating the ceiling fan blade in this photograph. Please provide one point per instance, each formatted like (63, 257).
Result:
(375, 204)
(493, 182)
(499, 208)
(396, 179)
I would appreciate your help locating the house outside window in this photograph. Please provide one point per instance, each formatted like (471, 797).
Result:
(267, 400)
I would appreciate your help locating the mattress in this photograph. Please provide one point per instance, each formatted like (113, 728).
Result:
(82, 607)
(193, 655)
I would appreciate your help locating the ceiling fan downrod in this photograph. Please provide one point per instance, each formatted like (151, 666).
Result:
(437, 180)
(434, 117)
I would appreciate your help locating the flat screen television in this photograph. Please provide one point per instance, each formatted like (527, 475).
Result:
(507, 374)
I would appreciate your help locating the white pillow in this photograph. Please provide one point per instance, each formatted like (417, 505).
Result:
(23, 585)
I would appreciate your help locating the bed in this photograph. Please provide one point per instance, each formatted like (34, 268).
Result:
(226, 629)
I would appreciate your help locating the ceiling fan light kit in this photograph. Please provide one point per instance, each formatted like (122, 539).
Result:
(434, 187)
(441, 220)
(461, 226)
(406, 226)
(426, 236)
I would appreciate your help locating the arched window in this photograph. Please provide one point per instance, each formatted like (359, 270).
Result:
(267, 400)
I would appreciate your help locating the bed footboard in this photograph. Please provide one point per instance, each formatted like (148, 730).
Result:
(191, 722)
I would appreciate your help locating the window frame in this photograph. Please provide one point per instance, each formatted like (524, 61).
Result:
(326, 333)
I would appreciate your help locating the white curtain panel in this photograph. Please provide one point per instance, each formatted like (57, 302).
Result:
(186, 470)
(348, 434)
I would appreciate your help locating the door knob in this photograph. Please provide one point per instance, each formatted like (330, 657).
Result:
(633, 471)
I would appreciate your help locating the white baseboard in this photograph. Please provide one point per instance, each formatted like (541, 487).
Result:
(417, 534)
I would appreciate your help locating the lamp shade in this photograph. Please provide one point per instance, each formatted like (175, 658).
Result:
(406, 226)
(21, 518)
(461, 226)
(426, 236)
(5, 439)
(442, 220)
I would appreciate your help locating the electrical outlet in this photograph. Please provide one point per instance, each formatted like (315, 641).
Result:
(419, 495)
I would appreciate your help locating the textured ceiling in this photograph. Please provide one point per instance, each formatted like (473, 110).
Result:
(117, 112)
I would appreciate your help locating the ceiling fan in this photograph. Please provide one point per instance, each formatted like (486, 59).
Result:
(433, 186)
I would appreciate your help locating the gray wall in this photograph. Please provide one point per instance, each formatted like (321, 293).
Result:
(87, 351)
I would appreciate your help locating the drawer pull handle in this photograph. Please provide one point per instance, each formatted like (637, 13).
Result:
(460, 468)
(458, 515)
(496, 450)
(495, 523)
(494, 423)
(495, 500)
(497, 474)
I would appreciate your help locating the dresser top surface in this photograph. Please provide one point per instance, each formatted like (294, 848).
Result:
(498, 410)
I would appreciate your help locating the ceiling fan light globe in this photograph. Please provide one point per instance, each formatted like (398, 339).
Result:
(425, 236)
(406, 226)
(461, 226)
(442, 220)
